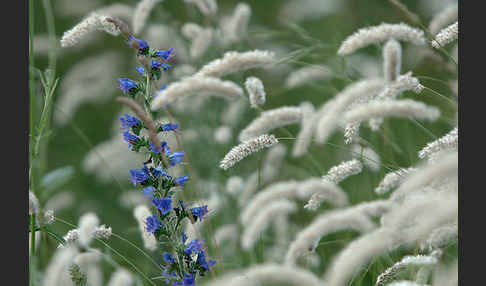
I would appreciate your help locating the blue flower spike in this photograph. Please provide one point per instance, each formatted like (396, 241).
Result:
(153, 224)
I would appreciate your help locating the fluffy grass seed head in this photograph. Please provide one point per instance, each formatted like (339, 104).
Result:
(307, 239)
(304, 138)
(207, 7)
(223, 134)
(276, 191)
(446, 36)
(57, 272)
(441, 237)
(271, 119)
(246, 148)
(234, 185)
(94, 22)
(48, 216)
(392, 180)
(448, 141)
(234, 27)
(376, 34)
(256, 91)
(87, 226)
(141, 14)
(371, 159)
(121, 277)
(320, 191)
(268, 273)
(262, 220)
(329, 114)
(340, 172)
(390, 273)
(307, 74)
(237, 62)
(392, 108)
(196, 85)
(392, 60)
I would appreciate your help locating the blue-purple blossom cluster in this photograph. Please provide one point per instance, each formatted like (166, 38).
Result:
(187, 260)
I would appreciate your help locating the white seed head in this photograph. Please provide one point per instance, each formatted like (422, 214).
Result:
(304, 138)
(49, 216)
(392, 60)
(256, 92)
(87, 226)
(94, 22)
(376, 34)
(448, 141)
(321, 191)
(268, 273)
(237, 62)
(340, 172)
(307, 74)
(196, 85)
(392, 108)
(246, 148)
(392, 180)
(141, 14)
(406, 262)
(276, 191)
(441, 237)
(263, 218)
(446, 36)
(332, 221)
(102, 232)
(234, 185)
(329, 114)
(223, 134)
(57, 271)
(234, 28)
(271, 119)
(226, 232)
(370, 158)
(121, 277)
(207, 7)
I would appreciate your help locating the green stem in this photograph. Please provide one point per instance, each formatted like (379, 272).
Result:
(32, 246)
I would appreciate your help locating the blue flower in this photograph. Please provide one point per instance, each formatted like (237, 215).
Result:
(168, 258)
(189, 280)
(166, 55)
(138, 44)
(166, 148)
(184, 238)
(130, 138)
(169, 127)
(129, 121)
(165, 67)
(199, 212)
(181, 180)
(176, 158)
(139, 176)
(140, 70)
(156, 65)
(177, 283)
(193, 247)
(148, 192)
(157, 172)
(127, 85)
(163, 204)
(201, 260)
(153, 223)
(164, 86)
